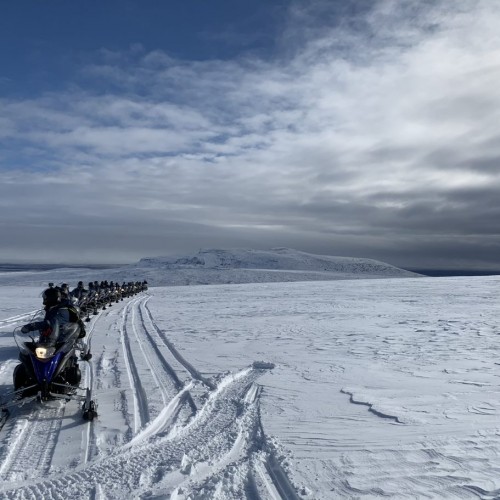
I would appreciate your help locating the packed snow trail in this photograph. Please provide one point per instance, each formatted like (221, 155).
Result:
(183, 434)
(157, 375)
(222, 433)
(34, 439)
(141, 409)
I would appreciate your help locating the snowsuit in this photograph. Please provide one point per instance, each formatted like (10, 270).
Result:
(79, 293)
(52, 326)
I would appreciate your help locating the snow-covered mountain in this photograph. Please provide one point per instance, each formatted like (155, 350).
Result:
(276, 259)
(223, 266)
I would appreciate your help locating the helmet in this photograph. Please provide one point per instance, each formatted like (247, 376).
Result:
(51, 296)
(64, 290)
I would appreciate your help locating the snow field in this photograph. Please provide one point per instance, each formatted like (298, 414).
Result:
(380, 388)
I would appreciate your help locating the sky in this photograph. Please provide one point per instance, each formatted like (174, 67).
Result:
(354, 128)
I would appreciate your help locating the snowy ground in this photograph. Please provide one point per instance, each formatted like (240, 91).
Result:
(381, 388)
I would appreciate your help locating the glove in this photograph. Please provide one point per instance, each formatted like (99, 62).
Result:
(25, 329)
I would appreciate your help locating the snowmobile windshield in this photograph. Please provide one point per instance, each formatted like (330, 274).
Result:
(37, 316)
(22, 338)
(68, 335)
(27, 342)
(62, 339)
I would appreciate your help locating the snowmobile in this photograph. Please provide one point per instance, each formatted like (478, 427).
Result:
(50, 370)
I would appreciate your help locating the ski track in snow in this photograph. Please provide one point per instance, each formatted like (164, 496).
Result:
(211, 445)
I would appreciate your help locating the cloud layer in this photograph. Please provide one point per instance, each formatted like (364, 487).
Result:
(370, 133)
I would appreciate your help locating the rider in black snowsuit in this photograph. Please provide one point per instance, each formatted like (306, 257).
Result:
(79, 292)
(58, 313)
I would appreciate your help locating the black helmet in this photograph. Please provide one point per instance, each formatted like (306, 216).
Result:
(51, 296)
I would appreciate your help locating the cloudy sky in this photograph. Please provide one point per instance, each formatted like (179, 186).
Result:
(367, 128)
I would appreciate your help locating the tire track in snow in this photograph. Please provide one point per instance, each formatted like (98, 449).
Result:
(279, 479)
(141, 412)
(165, 420)
(222, 451)
(34, 440)
(17, 436)
(192, 371)
(227, 472)
(7, 322)
(89, 439)
(166, 366)
(164, 376)
(221, 433)
(250, 469)
(268, 469)
(188, 399)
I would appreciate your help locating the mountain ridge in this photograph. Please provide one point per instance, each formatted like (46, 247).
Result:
(276, 260)
(222, 266)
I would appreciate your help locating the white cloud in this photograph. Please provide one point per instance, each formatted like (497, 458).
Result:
(398, 110)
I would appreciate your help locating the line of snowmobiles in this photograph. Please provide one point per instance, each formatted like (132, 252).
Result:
(101, 295)
(50, 370)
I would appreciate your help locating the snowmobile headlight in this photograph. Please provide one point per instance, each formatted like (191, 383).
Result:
(44, 352)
